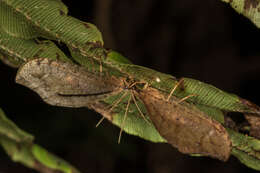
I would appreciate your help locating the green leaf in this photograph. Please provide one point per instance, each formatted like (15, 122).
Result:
(248, 8)
(11, 131)
(19, 51)
(51, 161)
(205, 94)
(19, 145)
(246, 149)
(50, 21)
(134, 123)
(15, 24)
(117, 57)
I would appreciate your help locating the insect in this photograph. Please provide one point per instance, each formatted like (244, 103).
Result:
(184, 126)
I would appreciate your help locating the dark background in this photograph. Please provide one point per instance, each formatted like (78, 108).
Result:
(205, 40)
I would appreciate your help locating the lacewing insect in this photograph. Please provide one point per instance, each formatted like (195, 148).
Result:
(184, 126)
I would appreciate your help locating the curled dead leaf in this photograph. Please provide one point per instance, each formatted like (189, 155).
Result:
(185, 127)
(64, 84)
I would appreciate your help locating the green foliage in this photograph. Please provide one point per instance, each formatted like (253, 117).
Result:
(246, 149)
(51, 161)
(134, 123)
(22, 23)
(248, 8)
(19, 145)
(11, 131)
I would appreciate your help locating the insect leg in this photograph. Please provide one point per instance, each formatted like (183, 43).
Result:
(123, 123)
(175, 87)
(185, 98)
(118, 101)
(100, 65)
(114, 105)
(141, 113)
(100, 121)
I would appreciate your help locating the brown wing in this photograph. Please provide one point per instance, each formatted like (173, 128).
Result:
(185, 127)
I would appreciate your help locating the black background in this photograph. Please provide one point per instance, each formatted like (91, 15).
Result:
(204, 40)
